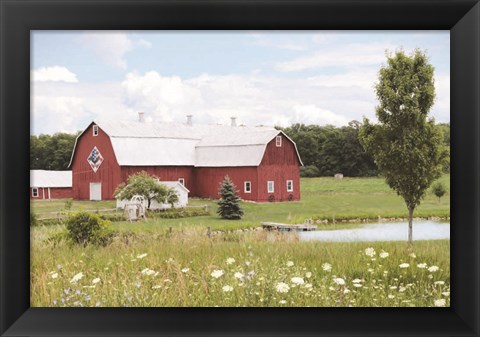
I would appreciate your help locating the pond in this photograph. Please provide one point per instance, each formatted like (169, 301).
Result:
(394, 231)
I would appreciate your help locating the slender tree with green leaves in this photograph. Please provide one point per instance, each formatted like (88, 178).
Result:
(229, 204)
(147, 186)
(406, 146)
(439, 190)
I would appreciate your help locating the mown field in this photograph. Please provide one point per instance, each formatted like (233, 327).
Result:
(146, 265)
(322, 198)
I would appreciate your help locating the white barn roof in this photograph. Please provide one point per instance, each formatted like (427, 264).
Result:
(171, 144)
(44, 178)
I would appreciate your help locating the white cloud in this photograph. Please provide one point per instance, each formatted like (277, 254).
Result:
(441, 107)
(54, 74)
(109, 47)
(352, 55)
(144, 43)
(272, 41)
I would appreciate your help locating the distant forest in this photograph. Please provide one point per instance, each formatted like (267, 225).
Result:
(325, 150)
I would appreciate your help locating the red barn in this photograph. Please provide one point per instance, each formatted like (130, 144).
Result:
(50, 184)
(262, 162)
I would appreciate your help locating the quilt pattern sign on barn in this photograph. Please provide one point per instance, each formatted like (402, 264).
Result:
(95, 159)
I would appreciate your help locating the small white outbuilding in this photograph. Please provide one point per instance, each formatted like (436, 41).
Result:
(179, 188)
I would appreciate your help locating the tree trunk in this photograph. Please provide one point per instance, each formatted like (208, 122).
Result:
(410, 226)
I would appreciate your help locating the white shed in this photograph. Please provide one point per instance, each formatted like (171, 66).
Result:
(179, 188)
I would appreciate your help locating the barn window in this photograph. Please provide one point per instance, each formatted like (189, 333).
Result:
(278, 141)
(270, 186)
(289, 185)
(35, 192)
(95, 130)
(181, 181)
(247, 187)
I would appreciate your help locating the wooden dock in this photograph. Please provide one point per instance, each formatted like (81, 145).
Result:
(287, 227)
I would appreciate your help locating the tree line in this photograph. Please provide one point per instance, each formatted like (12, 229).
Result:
(327, 150)
(51, 152)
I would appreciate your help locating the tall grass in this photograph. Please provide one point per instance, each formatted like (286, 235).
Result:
(180, 269)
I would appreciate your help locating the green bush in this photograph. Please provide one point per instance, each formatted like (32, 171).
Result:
(33, 218)
(309, 171)
(177, 213)
(84, 228)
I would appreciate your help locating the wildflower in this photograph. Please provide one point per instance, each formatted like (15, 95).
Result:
(308, 285)
(77, 278)
(297, 280)
(185, 270)
(238, 275)
(383, 254)
(290, 264)
(402, 289)
(227, 288)
(339, 281)
(412, 255)
(370, 252)
(59, 266)
(148, 271)
(326, 266)
(440, 303)
(54, 275)
(96, 280)
(393, 287)
(230, 260)
(283, 302)
(370, 270)
(141, 256)
(439, 283)
(217, 273)
(137, 284)
(430, 276)
(346, 291)
(357, 280)
(156, 287)
(446, 293)
(357, 285)
(247, 263)
(308, 274)
(422, 265)
(404, 265)
(391, 297)
(282, 287)
(433, 269)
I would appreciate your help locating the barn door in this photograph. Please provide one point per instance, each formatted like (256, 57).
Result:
(95, 191)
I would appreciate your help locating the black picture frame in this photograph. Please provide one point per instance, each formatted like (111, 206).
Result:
(18, 17)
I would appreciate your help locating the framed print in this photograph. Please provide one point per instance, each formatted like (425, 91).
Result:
(181, 262)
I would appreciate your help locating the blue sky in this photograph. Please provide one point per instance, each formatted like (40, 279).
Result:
(260, 77)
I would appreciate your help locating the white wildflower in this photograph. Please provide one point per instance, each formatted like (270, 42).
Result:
(282, 287)
(141, 256)
(339, 281)
(412, 255)
(96, 280)
(327, 266)
(185, 270)
(346, 291)
(446, 293)
(230, 260)
(357, 285)
(148, 271)
(383, 254)
(77, 278)
(283, 302)
(433, 269)
(404, 265)
(391, 297)
(357, 280)
(440, 303)
(402, 289)
(54, 275)
(297, 280)
(238, 275)
(308, 285)
(308, 274)
(290, 264)
(422, 265)
(439, 283)
(227, 288)
(393, 287)
(217, 273)
(156, 287)
(370, 252)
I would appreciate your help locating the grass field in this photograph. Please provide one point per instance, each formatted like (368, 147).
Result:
(322, 198)
(149, 266)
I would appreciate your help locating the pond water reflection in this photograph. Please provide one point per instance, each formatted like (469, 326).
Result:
(396, 231)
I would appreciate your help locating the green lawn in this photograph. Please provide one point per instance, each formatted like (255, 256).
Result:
(322, 198)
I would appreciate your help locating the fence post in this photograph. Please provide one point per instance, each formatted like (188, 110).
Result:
(209, 232)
